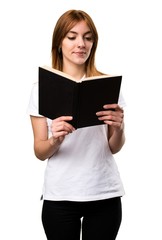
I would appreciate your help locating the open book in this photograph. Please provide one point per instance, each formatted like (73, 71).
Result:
(61, 95)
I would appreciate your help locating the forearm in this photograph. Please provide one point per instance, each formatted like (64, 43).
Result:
(117, 140)
(44, 149)
(113, 116)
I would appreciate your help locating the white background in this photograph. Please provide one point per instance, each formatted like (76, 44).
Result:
(130, 43)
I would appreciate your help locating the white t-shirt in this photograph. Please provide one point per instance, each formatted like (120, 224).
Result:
(83, 169)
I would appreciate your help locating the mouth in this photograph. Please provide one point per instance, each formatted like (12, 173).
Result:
(80, 54)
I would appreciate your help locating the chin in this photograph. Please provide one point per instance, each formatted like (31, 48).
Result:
(80, 62)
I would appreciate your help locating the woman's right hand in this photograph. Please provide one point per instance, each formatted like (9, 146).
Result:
(60, 127)
(45, 147)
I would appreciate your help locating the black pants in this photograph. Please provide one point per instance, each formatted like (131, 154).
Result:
(96, 220)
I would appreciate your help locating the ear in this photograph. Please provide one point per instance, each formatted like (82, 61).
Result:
(59, 50)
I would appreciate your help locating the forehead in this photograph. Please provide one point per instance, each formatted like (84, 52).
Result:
(80, 27)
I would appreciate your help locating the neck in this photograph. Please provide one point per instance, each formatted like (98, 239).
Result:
(76, 72)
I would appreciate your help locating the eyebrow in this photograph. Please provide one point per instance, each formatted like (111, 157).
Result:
(77, 33)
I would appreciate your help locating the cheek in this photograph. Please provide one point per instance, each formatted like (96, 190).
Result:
(67, 48)
(89, 48)
(64, 46)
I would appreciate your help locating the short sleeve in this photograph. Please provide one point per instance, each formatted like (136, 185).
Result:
(121, 100)
(32, 108)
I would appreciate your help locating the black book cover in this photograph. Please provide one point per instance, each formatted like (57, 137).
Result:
(60, 95)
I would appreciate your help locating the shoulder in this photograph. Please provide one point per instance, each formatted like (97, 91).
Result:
(33, 101)
(35, 86)
(34, 89)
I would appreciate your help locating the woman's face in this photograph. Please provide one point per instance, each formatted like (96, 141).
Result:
(77, 44)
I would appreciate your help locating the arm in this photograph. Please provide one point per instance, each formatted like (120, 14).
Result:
(45, 147)
(116, 138)
(113, 115)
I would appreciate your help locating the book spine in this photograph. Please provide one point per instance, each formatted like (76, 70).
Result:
(75, 105)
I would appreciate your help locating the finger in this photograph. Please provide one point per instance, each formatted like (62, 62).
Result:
(60, 129)
(64, 126)
(62, 123)
(113, 124)
(118, 114)
(63, 118)
(113, 107)
(60, 134)
(111, 118)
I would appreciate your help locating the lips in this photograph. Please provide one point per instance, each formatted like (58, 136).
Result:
(80, 53)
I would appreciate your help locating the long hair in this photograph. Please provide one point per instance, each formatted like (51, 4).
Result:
(64, 24)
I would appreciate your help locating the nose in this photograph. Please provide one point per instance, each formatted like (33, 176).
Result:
(81, 42)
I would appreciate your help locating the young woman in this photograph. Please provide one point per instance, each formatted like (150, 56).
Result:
(82, 186)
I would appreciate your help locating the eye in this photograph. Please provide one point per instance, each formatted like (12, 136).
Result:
(71, 38)
(89, 38)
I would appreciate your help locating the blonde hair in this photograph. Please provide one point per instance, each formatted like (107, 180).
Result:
(66, 22)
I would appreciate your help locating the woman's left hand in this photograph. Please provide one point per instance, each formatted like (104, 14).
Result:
(112, 115)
